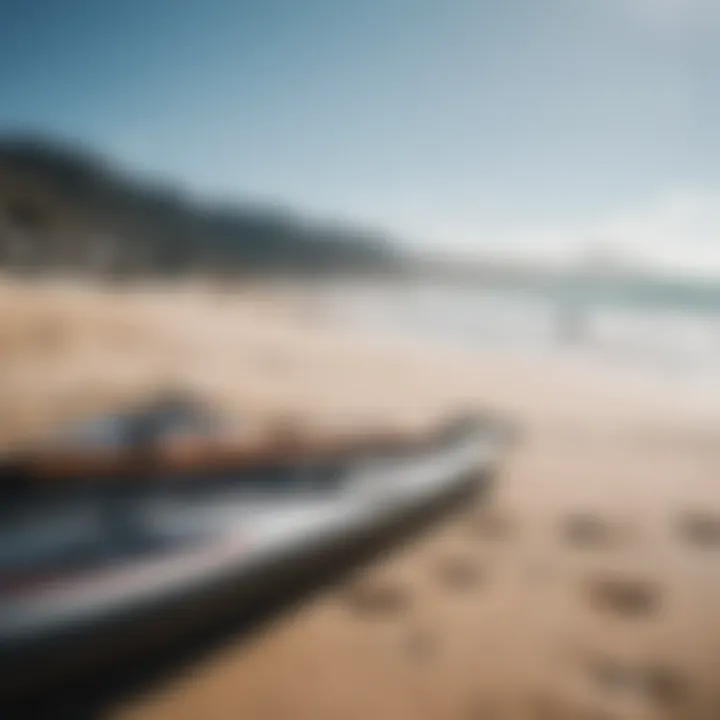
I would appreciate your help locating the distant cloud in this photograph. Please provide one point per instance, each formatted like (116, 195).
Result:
(680, 231)
(661, 12)
(677, 232)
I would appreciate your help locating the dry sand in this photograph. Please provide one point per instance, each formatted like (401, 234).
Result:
(587, 587)
(68, 351)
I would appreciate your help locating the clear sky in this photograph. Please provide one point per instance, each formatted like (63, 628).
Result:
(514, 126)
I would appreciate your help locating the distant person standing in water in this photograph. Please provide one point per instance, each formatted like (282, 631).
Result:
(571, 323)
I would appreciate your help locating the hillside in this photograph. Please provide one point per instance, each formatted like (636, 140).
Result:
(64, 207)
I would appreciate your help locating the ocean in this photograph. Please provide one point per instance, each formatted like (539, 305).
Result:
(670, 326)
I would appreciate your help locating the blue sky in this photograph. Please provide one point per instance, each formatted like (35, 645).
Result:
(513, 126)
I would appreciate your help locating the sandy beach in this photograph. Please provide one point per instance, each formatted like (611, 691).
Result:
(585, 587)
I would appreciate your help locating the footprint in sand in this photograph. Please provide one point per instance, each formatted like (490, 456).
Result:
(663, 685)
(659, 684)
(629, 597)
(700, 529)
(586, 530)
(379, 599)
(493, 525)
(459, 572)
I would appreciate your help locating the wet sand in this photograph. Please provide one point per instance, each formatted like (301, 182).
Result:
(586, 587)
